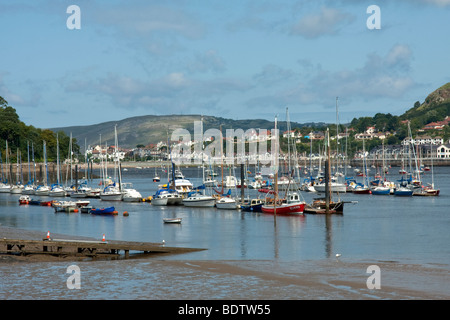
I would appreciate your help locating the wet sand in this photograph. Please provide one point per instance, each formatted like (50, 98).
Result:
(334, 278)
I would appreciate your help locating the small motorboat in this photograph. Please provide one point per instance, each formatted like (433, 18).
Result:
(172, 220)
(24, 199)
(103, 211)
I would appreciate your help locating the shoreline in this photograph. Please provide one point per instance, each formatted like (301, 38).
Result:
(324, 279)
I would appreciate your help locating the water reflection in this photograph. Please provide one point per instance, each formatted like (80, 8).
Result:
(375, 227)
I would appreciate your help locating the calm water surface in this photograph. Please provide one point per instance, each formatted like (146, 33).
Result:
(386, 228)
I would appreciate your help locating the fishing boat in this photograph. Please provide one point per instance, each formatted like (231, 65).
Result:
(226, 203)
(172, 220)
(24, 199)
(326, 205)
(319, 206)
(292, 205)
(103, 211)
(254, 206)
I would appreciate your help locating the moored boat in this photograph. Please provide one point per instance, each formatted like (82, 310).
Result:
(292, 205)
(226, 203)
(254, 206)
(103, 211)
(24, 199)
(403, 191)
(172, 220)
(199, 200)
(381, 190)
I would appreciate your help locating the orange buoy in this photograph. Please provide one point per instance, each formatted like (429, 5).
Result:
(115, 212)
(125, 213)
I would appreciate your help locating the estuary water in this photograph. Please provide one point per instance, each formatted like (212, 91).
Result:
(406, 231)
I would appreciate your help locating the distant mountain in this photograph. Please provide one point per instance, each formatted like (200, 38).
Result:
(152, 129)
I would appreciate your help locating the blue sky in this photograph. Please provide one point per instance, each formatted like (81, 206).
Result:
(238, 59)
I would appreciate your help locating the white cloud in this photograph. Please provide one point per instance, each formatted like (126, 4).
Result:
(327, 22)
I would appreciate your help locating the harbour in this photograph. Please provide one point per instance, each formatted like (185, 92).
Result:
(408, 236)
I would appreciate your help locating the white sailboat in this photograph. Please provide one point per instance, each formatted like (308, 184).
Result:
(5, 186)
(112, 191)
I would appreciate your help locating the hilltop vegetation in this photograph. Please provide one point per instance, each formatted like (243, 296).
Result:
(19, 136)
(435, 108)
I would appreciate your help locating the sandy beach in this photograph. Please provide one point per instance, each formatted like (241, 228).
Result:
(323, 279)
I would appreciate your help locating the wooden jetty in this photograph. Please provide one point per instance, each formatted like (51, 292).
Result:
(85, 248)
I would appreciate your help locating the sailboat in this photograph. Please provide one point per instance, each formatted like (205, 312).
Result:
(430, 189)
(18, 187)
(56, 189)
(291, 204)
(113, 192)
(42, 190)
(363, 188)
(156, 178)
(381, 188)
(5, 187)
(326, 205)
(334, 184)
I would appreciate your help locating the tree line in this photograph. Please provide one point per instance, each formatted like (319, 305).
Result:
(28, 140)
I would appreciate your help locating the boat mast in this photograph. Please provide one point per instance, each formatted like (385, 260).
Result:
(327, 176)
(276, 174)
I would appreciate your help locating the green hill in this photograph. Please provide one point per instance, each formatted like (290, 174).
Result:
(152, 129)
(144, 130)
(435, 108)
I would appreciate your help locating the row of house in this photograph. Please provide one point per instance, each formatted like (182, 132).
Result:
(438, 125)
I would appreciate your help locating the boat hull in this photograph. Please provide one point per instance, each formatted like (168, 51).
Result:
(333, 188)
(201, 203)
(252, 208)
(381, 191)
(226, 205)
(111, 197)
(284, 209)
(159, 201)
(172, 220)
(403, 193)
(104, 211)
